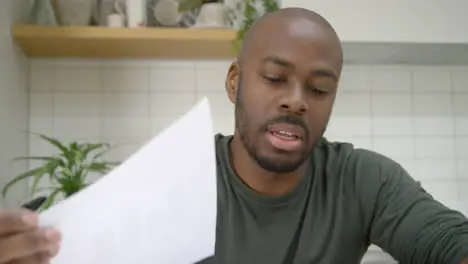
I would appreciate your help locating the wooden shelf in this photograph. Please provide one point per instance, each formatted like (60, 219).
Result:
(180, 43)
(103, 42)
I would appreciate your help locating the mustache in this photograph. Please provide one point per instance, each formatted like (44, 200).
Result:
(292, 120)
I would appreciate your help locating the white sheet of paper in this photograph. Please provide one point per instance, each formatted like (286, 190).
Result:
(158, 207)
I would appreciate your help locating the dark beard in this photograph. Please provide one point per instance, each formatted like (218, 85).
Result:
(242, 122)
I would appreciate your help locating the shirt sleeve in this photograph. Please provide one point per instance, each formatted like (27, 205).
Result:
(402, 218)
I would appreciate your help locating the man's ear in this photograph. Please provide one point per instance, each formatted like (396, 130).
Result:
(232, 80)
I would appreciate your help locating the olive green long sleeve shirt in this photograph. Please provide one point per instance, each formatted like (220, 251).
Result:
(347, 200)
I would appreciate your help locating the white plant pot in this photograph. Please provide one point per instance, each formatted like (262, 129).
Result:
(75, 12)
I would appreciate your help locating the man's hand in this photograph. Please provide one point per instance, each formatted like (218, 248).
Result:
(23, 242)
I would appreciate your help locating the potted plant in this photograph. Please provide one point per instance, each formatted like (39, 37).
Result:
(67, 171)
(251, 12)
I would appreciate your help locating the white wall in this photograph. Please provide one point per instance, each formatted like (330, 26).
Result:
(397, 21)
(13, 101)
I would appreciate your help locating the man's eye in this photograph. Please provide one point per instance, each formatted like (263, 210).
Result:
(273, 79)
(318, 90)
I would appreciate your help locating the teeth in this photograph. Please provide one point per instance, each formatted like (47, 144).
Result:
(285, 135)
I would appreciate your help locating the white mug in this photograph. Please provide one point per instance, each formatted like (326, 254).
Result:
(136, 13)
(115, 20)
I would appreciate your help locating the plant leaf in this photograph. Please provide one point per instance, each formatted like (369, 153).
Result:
(88, 148)
(34, 158)
(71, 185)
(67, 172)
(100, 154)
(54, 142)
(49, 168)
(51, 198)
(20, 177)
(69, 155)
(37, 178)
(79, 156)
(98, 166)
(40, 189)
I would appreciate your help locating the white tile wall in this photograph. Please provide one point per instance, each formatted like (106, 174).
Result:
(13, 103)
(417, 115)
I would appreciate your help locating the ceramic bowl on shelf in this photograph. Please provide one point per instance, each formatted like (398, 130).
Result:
(166, 12)
(163, 14)
(213, 15)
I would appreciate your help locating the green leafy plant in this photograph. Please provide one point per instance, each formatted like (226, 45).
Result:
(251, 13)
(67, 171)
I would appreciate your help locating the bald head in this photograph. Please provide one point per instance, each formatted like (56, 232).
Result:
(287, 73)
(286, 77)
(287, 24)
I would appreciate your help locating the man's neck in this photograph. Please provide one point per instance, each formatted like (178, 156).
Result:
(256, 177)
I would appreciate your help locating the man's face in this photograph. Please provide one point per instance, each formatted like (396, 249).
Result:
(284, 98)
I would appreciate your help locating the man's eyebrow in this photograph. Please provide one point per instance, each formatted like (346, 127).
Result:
(279, 61)
(325, 73)
(320, 71)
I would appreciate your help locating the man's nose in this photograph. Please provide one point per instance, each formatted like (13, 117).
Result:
(293, 101)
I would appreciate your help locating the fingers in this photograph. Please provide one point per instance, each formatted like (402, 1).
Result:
(19, 221)
(29, 244)
(39, 258)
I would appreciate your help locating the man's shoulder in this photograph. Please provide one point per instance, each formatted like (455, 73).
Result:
(362, 172)
(357, 161)
(345, 151)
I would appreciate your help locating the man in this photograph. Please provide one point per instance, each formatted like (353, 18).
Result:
(285, 194)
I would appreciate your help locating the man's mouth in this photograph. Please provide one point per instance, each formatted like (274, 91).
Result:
(287, 131)
(285, 135)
